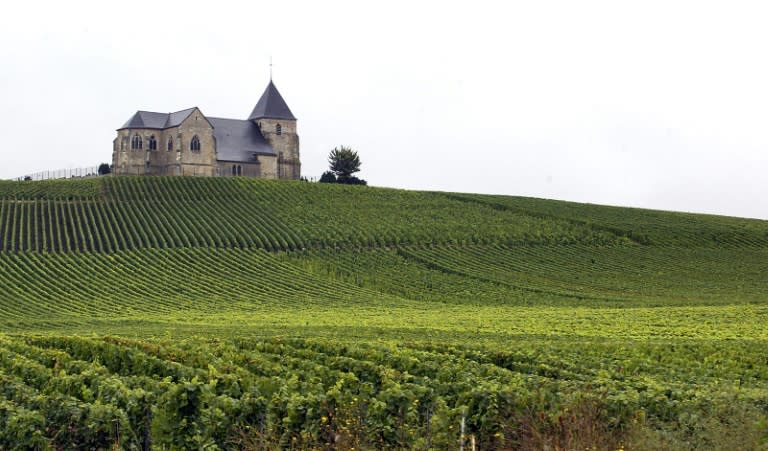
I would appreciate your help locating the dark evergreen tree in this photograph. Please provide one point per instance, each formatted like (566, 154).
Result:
(344, 162)
(105, 169)
(328, 177)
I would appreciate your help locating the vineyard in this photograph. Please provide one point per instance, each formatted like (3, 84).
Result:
(156, 312)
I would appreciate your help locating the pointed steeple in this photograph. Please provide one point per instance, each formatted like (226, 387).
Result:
(271, 106)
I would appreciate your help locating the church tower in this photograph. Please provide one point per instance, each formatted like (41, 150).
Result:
(278, 126)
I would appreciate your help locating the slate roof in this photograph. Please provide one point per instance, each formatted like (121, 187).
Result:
(238, 140)
(146, 119)
(271, 106)
(159, 121)
(175, 119)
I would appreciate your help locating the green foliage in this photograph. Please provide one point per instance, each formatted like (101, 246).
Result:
(328, 177)
(116, 213)
(646, 227)
(179, 419)
(343, 162)
(574, 275)
(21, 428)
(123, 213)
(260, 314)
(351, 181)
(104, 169)
(312, 393)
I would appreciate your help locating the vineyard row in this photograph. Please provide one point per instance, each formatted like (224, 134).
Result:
(312, 393)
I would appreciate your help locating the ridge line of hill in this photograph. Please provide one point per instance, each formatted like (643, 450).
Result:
(109, 214)
(641, 240)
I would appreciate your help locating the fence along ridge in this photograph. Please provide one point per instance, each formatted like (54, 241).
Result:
(82, 172)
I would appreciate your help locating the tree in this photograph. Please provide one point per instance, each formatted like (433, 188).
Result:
(104, 169)
(344, 162)
(328, 177)
(352, 181)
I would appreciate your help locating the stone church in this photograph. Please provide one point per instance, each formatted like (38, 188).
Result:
(189, 143)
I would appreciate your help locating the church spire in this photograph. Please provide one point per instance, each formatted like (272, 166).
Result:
(271, 105)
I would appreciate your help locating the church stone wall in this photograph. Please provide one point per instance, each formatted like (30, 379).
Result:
(233, 169)
(179, 160)
(286, 145)
(268, 166)
(196, 125)
(132, 161)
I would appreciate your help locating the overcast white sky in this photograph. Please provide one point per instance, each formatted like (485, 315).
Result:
(657, 104)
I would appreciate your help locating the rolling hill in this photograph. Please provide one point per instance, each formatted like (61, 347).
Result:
(280, 314)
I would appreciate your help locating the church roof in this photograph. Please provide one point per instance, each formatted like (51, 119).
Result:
(175, 119)
(238, 140)
(271, 106)
(146, 119)
(149, 119)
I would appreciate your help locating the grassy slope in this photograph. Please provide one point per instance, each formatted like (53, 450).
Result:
(580, 287)
(197, 249)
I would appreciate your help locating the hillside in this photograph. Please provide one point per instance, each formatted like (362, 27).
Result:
(653, 325)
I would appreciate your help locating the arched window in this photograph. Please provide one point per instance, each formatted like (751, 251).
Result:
(194, 145)
(170, 144)
(234, 169)
(239, 170)
(152, 143)
(279, 129)
(136, 142)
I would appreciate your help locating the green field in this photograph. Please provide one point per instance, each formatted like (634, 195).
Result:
(251, 314)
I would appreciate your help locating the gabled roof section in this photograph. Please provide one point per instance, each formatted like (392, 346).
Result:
(271, 106)
(238, 140)
(146, 119)
(159, 121)
(175, 119)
